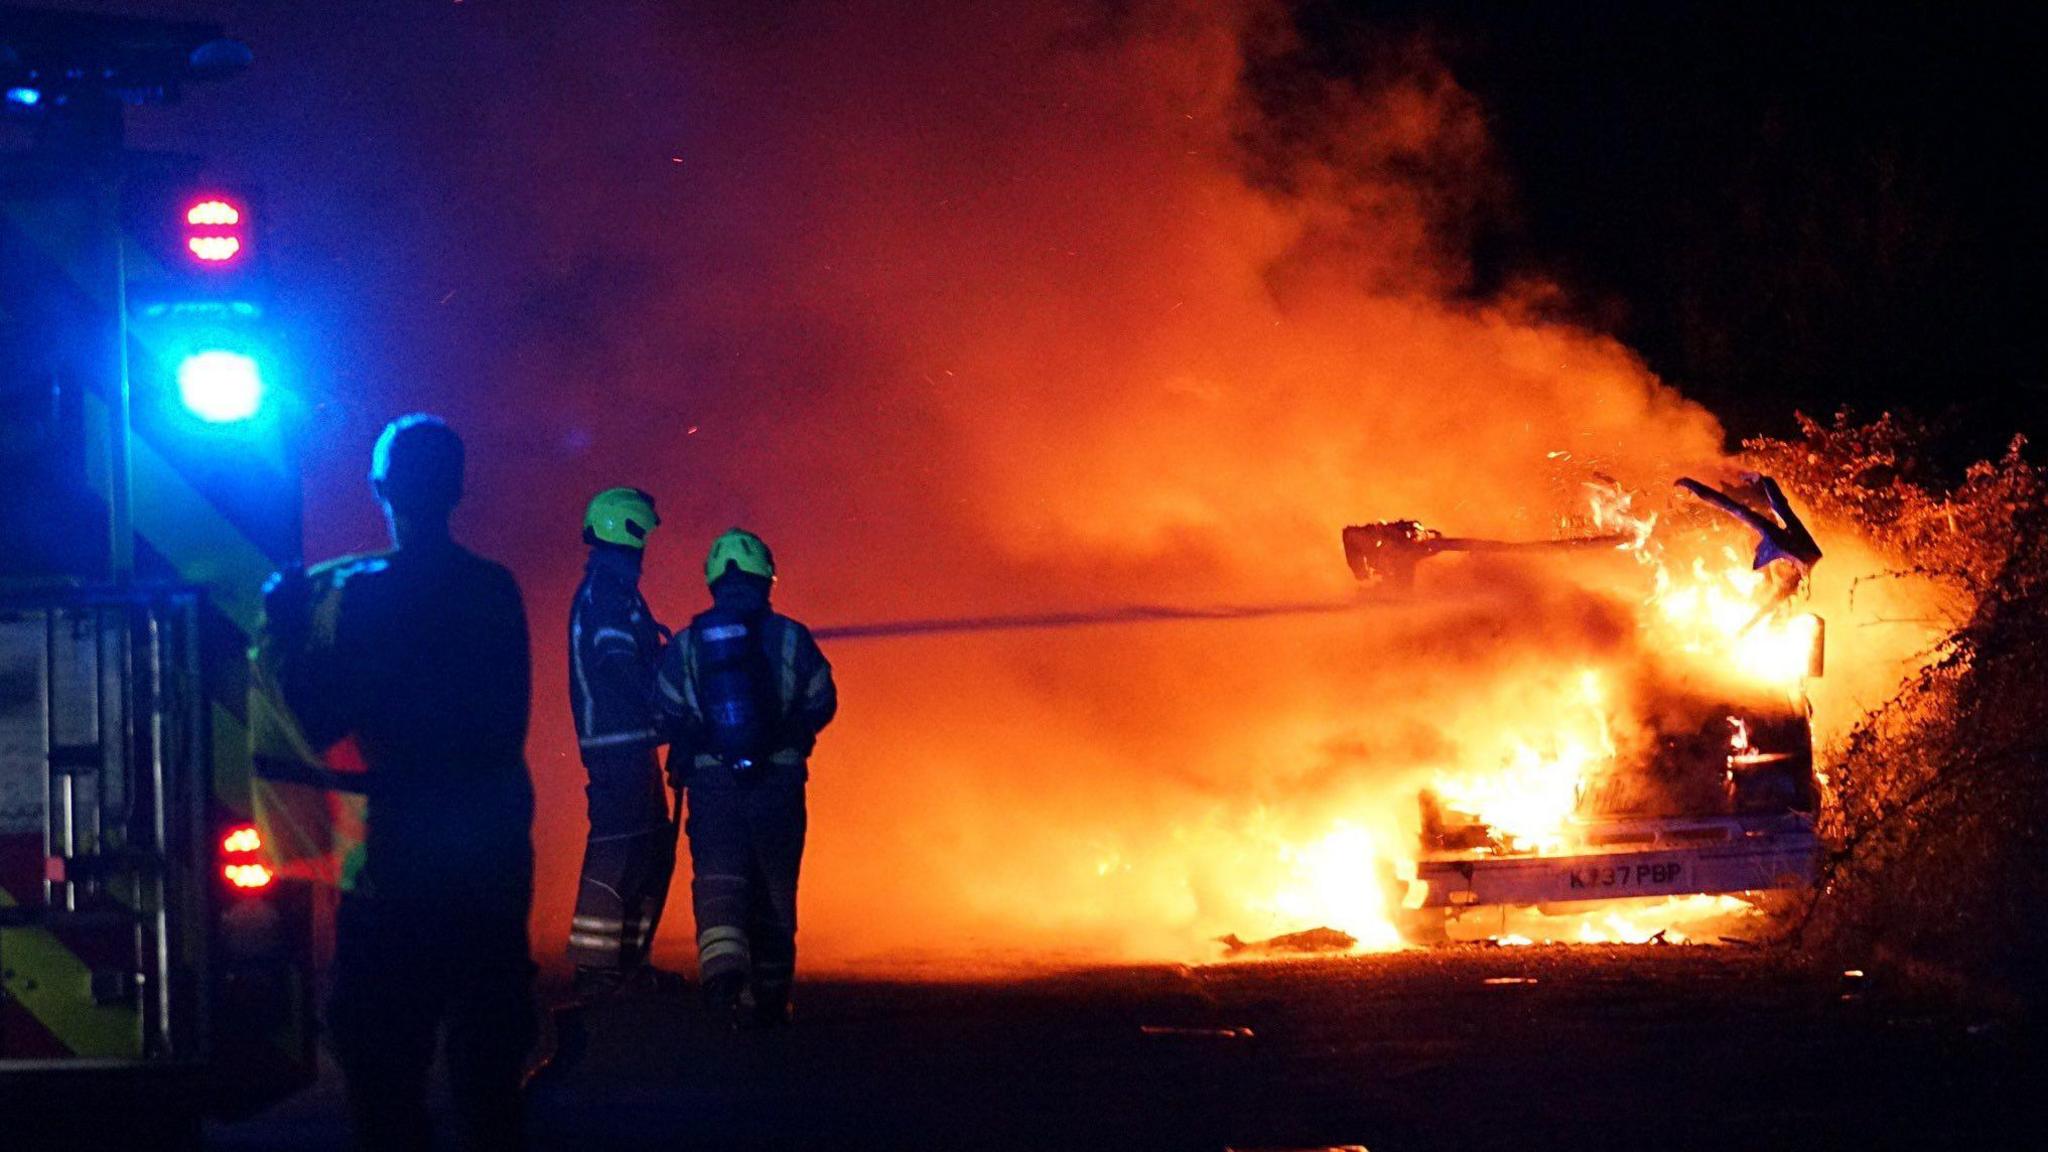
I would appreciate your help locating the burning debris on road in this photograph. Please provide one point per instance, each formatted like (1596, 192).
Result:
(1306, 942)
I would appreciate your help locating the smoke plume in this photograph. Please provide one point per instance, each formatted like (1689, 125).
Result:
(980, 309)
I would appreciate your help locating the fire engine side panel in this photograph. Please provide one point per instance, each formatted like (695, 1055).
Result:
(96, 764)
(24, 727)
(76, 936)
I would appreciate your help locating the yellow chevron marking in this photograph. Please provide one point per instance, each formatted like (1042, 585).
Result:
(200, 542)
(207, 549)
(230, 746)
(193, 535)
(56, 988)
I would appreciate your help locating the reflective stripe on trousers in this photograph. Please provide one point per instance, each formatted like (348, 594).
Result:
(628, 861)
(746, 848)
(721, 950)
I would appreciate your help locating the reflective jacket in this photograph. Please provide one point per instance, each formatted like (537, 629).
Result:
(614, 649)
(803, 681)
(421, 656)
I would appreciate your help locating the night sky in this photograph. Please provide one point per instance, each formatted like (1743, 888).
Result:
(1810, 205)
(1779, 207)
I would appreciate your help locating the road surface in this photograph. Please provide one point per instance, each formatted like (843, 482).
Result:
(1468, 1047)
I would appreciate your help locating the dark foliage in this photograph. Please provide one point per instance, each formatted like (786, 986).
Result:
(1939, 799)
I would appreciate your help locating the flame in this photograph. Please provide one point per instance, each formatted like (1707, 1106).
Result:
(1715, 615)
(1532, 795)
(1523, 770)
(1638, 922)
(1718, 620)
(1333, 881)
(942, 393)
(1612, 509)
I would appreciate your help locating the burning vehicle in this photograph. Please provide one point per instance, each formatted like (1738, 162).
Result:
(1708, 790)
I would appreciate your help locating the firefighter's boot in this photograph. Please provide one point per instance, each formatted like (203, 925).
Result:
(721, 993)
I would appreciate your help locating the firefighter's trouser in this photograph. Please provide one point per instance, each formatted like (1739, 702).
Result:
(627, 862)
(746, 844)
(404, 971)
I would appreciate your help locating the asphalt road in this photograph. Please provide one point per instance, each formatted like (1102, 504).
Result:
(1472, 1047)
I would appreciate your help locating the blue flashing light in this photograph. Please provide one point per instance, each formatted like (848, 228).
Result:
(24, 97)
(219, 386)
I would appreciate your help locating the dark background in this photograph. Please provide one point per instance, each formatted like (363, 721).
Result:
(1779, 206)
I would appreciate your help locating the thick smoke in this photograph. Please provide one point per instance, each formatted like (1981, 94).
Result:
(999, 311)
(987, 308)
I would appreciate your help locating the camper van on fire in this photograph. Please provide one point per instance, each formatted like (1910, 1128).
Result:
(1716, 794)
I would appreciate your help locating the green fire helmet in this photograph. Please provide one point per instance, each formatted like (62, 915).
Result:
(739, 549)
(622, 516)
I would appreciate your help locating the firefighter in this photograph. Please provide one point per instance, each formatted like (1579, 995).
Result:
(420, 655)
(614, 649)
(744, 693)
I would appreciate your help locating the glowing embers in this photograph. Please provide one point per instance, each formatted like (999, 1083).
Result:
(214, 231)
(240, 848)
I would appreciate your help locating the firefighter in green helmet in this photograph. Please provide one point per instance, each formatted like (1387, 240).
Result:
(615, 646)
(743, 694)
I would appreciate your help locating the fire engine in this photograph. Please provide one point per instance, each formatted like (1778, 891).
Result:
(156, 959)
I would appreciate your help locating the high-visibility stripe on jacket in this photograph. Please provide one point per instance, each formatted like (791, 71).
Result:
(808, 697)
(614, 647)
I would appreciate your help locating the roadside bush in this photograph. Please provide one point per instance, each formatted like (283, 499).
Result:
(1938, 801)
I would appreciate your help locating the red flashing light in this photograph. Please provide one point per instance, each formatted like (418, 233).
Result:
(239, 866)
(216, 233)
(248, 876)
(242, 839)
(214, 249)
(213, 212)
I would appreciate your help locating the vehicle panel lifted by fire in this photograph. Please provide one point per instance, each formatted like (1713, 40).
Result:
(1722, 800)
